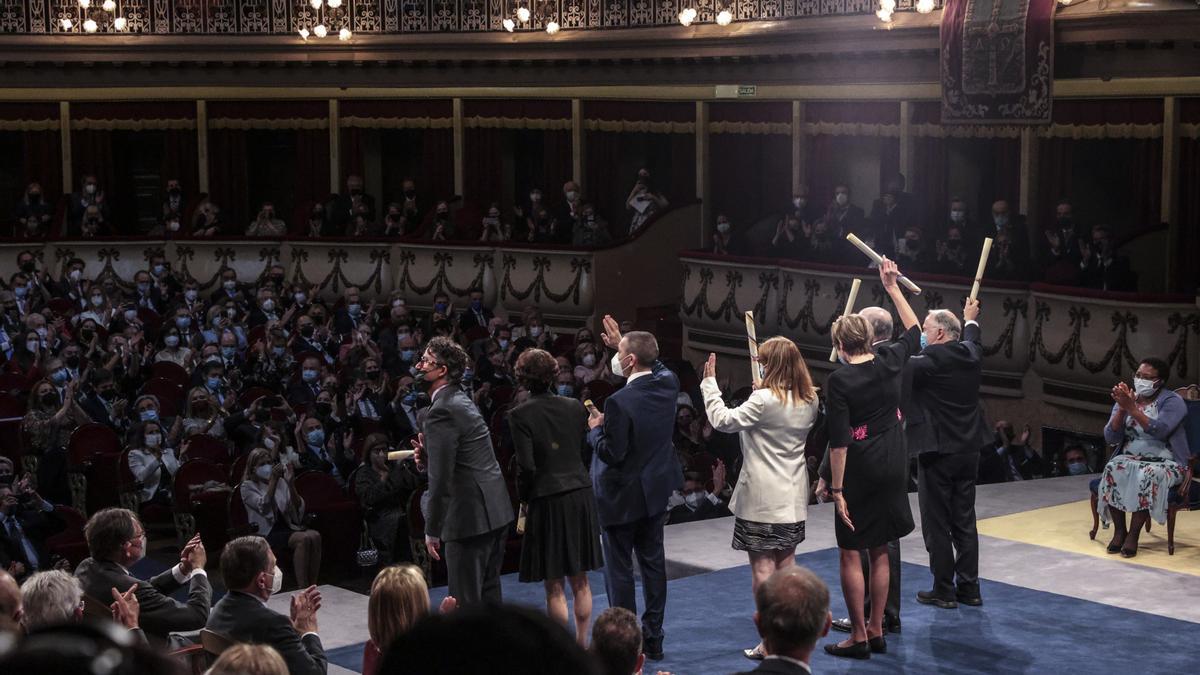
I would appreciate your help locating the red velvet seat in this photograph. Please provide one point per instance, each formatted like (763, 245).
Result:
(333, 512)
(16, 385)
(170, 395)
(235, 515)
(172, 372)
(202, 511)
(210, 448)
(475, 333)
(63, 306)
(70, 543)
(253, 394)
(91, 439)
(502, 395)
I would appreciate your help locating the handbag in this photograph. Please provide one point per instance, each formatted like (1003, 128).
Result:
(367, 555)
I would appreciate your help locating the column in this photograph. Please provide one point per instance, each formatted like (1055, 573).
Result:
(64, 125)
(335, 164)
(458, 147)
(799, 147)
(907, 166)
(703, 181)
(1169, 208)
(202, 146)
(1029, 184)
(576, 142)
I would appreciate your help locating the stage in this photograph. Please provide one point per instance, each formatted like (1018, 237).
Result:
(1052, 597)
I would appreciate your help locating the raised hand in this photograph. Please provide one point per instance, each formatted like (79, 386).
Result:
(418, 445)
(970, 309)
(710, 366)
(449, 604)
(612, 332)
(888, 273)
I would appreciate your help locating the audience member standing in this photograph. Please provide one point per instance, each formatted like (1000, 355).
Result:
(634, 472)
(770, 501)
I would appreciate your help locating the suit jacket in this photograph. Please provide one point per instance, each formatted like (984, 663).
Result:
(468, 319)
(100, 413)
(467, 492)
(244, 618)
(160, 614)
(634, 468)
(777, 667)
(548, 433)
(945, 382)
(37, 526)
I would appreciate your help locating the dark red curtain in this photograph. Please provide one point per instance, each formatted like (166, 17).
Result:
(483, 165)
(311, 176)
(228, 175)
(1188, 243)
(556, 160)
(826, 151)
(751, 174)
(351, 150)
(484, 148)
(42, 161)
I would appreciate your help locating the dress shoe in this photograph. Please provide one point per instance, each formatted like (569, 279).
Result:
(756, 654)
(928, 598)
(891, 624)
(653, 649)
(878, 645)
(843, 625)
(969, 599)
(857, 650)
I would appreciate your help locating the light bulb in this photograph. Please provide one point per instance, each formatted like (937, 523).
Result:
(90, 26)
(109, 6)
(724, 18)
(924, 6)
(888, 5)
(509, 25)
(304, 34)
(523, 14)
(320, 30)
(334, 4)
(119, 23)
(85, 3)
(67, 24)
(687, 16)
(316, 4)
(552, 27)
(345, 34)
(884, 16)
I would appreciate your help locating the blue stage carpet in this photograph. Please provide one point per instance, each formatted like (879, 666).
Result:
(1018, 630)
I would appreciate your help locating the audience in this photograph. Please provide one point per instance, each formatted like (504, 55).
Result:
(792, 613)
(399, 598)
(49, 599)
(26, 522)
(249, 659)
(251, 576)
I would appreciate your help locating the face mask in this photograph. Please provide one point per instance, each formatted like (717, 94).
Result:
(1144, 388)
(171, 341)
(213, 383)
(566, 390)
(571, 195)
(158, 270)
(503, 342)
(799, 202)
(693, 500)
(440, 307)
(268, 443)
(468, 375)
(107, 394)
(276, 580)
(300, 298)
(21, 291)
(589, 360)
(264, 471)
(231, 312)
(324, 408)
(278, 351)
(97, 300)
(1077, 468)
(268, 305)
(173, 225)
(60, 377)
(174, 192)
(535, 331)
(309, 375)
(373, 374)
(216, 321)
(76, 275)
(316, 437)
(148, 415)
(958, 216)
(72, 361)
(90, 188)
(130, 315)
(1000, 221)
(924, 341)
(723, 227)
(32, 345)
(35, 198)
(842, 199)
(228, 352)
(41, 331)
(191, 294)
(476, 305)
(229, 284)
(354, 308)
(912, 245)
(152, 440)
(50, 399)
(409, 194)
(307, 330)
(27, 267)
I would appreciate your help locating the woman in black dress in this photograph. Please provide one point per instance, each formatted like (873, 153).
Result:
(869, 460)
(562, 529)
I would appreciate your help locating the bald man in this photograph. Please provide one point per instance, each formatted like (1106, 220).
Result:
(880, 321)
(11, 610)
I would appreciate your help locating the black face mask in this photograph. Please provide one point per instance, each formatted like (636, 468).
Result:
(50, 399)
(324, 408)
(72, 361)
(914, 245)
(35, 198)
(174, 192)
(107, 394)
(373, 374)
(307, 331)
(355, 192)
(410, 193)
(27, 266)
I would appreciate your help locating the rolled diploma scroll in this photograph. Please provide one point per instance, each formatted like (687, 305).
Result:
(983, 258)
(849, 308)
(904, 281)
(752, 344)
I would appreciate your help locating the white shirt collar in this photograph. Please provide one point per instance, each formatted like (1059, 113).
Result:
(635, 376)
(789, 659)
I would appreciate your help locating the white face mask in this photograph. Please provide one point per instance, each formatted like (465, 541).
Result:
(842, 199)
(1144, 388)
(535, 331)
(571, 195)
(153, 440)
(723, 227)
(693, 500)
(276, 580)
(589, 360)
(263, 472)
(269, 443)
(76, 275)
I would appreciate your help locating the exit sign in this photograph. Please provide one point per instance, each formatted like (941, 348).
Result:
(747, 91)
(735, 91)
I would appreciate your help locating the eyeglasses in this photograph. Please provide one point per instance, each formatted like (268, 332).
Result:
(432, 362)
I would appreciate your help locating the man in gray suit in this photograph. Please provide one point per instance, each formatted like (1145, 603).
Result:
(469, 505)
(116, 540)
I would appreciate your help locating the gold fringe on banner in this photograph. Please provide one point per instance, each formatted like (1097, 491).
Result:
(756, 128)
(87, 124)
(395, 122)
(283, 123)
(30, 125)
(1189, 131)
(1088, 132)
(640, 126)
(852, 129)
(544, 124)
(964, 131)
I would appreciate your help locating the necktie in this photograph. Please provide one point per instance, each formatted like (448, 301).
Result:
(18, 535)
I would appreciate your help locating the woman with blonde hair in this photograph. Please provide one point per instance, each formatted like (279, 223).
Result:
(248, 659)
(770, 500)
(868, 460)
(399, 598)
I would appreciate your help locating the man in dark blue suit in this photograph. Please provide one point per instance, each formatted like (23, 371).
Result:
(634, 472)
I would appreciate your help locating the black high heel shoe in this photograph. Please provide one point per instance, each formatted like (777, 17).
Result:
(857, 650)
(877, 644)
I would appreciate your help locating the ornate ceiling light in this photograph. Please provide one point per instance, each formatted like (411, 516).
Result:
(328, 17)
(94, 17)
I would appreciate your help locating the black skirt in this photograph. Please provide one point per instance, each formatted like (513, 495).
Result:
(562, 536)
(876, 490)
(761, 537)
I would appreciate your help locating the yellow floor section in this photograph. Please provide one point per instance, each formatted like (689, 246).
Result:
(1065, 527)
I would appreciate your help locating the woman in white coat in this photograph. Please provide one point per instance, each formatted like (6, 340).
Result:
(770, 501)
(152, 463)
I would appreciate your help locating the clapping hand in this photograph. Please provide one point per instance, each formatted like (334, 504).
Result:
(718, 476)
(304, 608)
(418, 445)
(449, 604)
(125, 607)
(710, 366)
(1123, 395)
